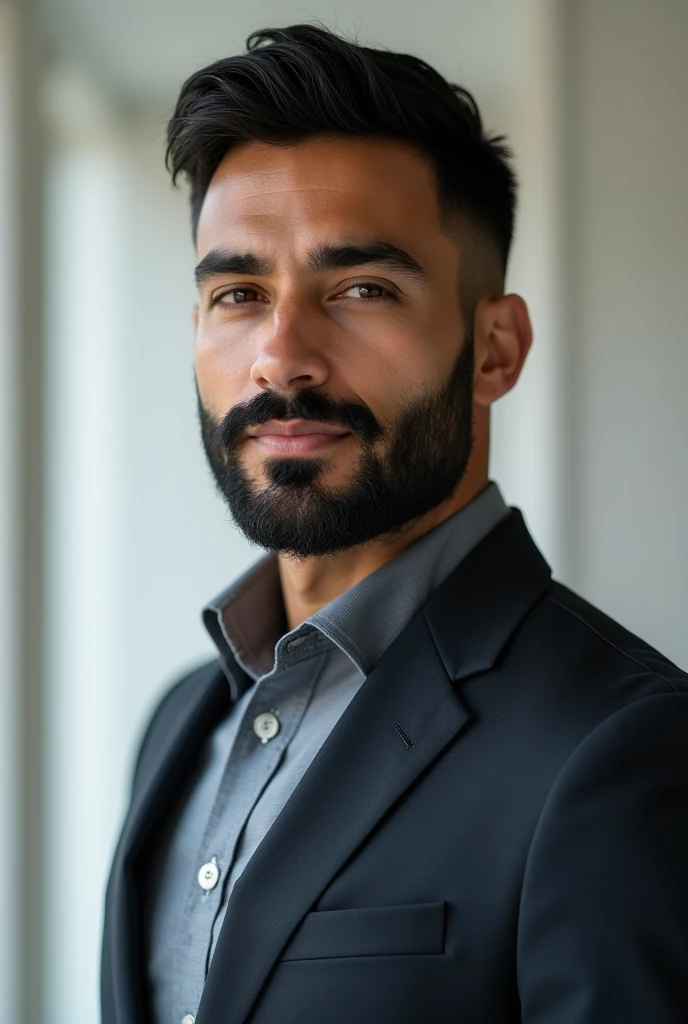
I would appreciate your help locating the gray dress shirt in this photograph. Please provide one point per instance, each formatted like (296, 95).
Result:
(303, 681)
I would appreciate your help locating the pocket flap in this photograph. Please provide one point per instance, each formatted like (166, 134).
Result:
(369, 931)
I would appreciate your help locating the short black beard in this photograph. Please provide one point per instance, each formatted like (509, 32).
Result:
(425, 457)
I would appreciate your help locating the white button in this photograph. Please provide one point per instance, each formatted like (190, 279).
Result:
(208, 876)
(189, 1019)
(266, 726)
(295, 643)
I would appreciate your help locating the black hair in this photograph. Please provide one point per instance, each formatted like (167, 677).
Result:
(302, 81)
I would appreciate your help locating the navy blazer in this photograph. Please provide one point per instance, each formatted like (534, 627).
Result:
(495, 831)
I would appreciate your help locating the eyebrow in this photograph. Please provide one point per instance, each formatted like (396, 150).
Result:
(323, 257)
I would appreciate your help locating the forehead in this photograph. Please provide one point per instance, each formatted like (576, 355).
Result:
(325, 187)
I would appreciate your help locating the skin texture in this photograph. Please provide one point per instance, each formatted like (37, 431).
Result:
(295, 328)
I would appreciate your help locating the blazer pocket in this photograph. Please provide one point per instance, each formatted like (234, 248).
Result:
(369, 931)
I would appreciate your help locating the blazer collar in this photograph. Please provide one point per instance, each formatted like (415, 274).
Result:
(411, 695)
(473, 613)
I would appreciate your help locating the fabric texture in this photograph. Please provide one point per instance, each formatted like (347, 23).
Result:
(495, 829)
(306, 677)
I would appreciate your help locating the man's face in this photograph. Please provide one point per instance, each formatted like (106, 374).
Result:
(329, 293)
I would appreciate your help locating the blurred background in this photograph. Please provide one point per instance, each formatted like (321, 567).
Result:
(111, 535)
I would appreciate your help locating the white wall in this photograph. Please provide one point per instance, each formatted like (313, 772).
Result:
(85, 598)
(9, 569)
(628, 350)
(527, 424)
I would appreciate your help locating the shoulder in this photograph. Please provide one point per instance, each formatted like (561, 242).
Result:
(570, 646)
(575, 614)
(576, 617)
(566, 670)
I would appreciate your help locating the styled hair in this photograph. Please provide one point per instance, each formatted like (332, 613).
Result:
(298, 82)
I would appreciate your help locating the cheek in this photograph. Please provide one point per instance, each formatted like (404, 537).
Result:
(393, 372)
(221, 375)
(378, 357)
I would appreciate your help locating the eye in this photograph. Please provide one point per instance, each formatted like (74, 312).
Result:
(368, 287)
(242, 296)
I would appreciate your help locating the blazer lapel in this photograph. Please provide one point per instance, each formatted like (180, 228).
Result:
(188, 729)
(400, 720)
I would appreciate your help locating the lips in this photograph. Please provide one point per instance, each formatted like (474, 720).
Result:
(282, 445)
(296, 428)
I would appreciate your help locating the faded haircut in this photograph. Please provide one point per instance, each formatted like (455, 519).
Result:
(302, 81)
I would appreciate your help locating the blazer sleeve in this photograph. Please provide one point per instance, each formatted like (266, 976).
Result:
(603, 925)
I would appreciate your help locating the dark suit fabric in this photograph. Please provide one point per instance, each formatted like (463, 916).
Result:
(516, 851)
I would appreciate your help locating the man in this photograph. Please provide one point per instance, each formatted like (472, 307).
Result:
(421, 781)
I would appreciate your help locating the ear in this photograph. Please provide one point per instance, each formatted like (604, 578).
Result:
(194, 319)
(503, 335)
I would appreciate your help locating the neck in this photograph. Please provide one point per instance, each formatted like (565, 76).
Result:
(310, 584)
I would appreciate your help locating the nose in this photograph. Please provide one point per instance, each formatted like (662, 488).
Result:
(290, 351)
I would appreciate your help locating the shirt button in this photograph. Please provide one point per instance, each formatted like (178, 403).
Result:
(188, 1019)
(208, 876)
(295, 643)
(266, 726)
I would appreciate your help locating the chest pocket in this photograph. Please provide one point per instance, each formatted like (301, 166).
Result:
(409, 929)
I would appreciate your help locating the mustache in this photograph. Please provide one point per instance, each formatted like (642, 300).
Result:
(307, 404)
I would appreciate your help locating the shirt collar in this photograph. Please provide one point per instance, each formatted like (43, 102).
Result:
(247, 621)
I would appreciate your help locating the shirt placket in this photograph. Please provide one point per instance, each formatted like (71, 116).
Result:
(269, 723)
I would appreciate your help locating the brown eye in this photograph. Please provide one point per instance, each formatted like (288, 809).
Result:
(368, 290)
(241, 296)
